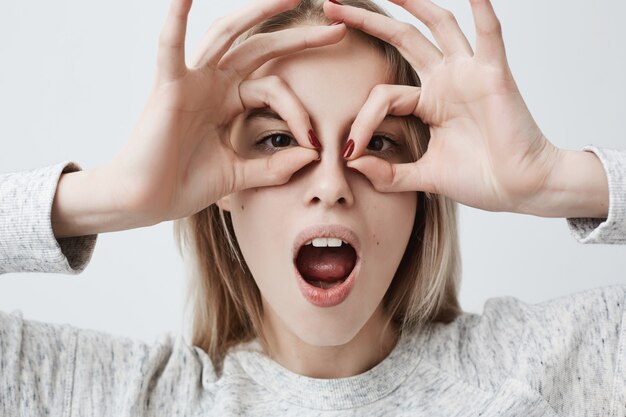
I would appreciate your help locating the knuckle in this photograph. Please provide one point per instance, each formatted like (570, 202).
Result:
(447, 17)
(274, 88)
(392, 179)
(275, 82)
(379, 92)
(497, 27)
(493, 28)
(238, 178)
(217, 22)
(262, 44)
(165, 39)
(444, 19)
(271, 173)
(219, 25)
(300, 114)
(402, 37)
(222, 28)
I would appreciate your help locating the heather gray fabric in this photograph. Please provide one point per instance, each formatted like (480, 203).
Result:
(565, 357)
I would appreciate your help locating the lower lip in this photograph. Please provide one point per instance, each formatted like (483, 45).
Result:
(328, 297)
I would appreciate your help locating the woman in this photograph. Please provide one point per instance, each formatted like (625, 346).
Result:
(318, 287)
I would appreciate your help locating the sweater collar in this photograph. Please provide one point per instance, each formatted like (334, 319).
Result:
(336, 393)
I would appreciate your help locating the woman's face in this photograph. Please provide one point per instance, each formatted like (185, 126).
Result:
(332, 82)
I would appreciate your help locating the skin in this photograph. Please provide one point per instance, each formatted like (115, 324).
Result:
(346, 339)
(486, 151)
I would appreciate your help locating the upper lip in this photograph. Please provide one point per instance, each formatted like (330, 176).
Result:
(326, 230)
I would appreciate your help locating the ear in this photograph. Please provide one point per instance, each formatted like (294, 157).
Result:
(224, 203)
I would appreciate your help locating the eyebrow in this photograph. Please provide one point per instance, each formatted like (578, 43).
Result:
(262, 113)
(268, 113)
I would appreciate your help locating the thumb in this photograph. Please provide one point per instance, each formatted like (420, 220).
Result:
(276, 169)
(388, 177)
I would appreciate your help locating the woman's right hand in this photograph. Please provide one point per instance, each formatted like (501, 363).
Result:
(485, 149)
(179, 159)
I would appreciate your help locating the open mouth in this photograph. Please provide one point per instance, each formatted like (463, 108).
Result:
(326, 262)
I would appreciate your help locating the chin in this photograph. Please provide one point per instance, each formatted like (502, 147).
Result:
(327, 331)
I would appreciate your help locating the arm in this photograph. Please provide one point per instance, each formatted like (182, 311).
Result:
(27, 241)
(59, 370)
(612, 227)
(573, 351)
(37, 370)
(85, 204)
(577, 187)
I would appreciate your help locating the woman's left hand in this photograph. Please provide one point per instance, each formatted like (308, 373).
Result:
(485, 149)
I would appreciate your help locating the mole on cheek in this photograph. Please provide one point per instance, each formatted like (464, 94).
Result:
(242, 207)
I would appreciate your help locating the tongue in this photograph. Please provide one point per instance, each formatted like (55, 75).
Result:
(326, 264)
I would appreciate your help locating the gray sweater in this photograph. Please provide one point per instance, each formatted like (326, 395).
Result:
(564, 357)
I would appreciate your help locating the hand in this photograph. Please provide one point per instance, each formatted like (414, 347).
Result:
(179, 158)
(485, 149)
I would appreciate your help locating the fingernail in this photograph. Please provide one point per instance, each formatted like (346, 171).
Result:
(347, 150)
(338, 22)
(336, 2)
(313, 139)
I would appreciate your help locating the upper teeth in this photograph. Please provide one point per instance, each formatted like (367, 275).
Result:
(322, 242)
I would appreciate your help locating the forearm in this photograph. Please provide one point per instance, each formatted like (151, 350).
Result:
(577, 188)
(85, 203)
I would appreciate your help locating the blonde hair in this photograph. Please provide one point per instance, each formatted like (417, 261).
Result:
(223, 298)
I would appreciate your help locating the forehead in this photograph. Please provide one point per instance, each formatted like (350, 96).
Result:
(332, 80)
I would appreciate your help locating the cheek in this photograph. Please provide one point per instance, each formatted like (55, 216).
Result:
(391, 219)
(259, 216)
(254, 214)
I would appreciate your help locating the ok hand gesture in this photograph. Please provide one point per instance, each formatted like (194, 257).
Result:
(179, 158)
(485, 150)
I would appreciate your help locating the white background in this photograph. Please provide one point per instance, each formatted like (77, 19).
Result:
(74, 77)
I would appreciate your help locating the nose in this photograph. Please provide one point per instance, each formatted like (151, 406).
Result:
(330, 180)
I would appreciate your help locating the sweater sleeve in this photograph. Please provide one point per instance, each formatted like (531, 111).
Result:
(50, 369)
(573, 352)
(27, 241)
(612, 229)
(36, 367)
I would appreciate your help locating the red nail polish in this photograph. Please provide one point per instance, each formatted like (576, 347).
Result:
(338, 22)
(336, 2)
(347, 150)
(313, 139)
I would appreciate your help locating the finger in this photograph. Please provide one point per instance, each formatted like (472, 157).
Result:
(273, 170)
(489, 42)
(262, 47)
(171, 50)
(384, 99)
(223, 32)
(395, 178)
(273, 92)
(411, 43)
(441, 23)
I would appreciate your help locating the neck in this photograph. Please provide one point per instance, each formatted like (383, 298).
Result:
(369, 347)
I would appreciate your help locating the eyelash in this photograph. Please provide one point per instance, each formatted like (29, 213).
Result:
(263, 147)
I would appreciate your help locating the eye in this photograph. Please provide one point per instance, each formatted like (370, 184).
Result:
(275, 141)
(382, 144)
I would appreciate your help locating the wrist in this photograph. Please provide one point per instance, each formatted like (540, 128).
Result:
(577, 187)
(86, 202)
